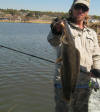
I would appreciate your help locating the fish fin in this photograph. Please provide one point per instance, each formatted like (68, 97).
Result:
(58, 59)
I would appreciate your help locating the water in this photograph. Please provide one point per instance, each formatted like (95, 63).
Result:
(26, 83)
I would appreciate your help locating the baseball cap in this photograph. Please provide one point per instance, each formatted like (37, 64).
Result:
(85, 2)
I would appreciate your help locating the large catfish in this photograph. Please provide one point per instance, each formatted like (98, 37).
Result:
(70, 57)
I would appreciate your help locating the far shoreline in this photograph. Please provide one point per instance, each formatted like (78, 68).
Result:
(32, 21)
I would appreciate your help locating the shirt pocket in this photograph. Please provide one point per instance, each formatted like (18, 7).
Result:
(89, 44)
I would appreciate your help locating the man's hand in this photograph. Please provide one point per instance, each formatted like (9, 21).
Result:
(95, 73)
(57, 26)
(92, 75)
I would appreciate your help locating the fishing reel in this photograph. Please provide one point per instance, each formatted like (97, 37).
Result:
(94, 84)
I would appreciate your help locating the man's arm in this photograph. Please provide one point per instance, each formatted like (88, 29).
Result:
(56, 32)
(53, 39)
(96, 57)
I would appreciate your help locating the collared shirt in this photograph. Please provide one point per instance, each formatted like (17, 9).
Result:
(85, 41)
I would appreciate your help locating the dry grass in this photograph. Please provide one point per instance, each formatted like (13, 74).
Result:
(31, 21)
(96, 27)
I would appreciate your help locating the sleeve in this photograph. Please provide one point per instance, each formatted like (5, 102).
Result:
(53, 39)
(96, 53)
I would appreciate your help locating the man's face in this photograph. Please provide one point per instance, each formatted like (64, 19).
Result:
(80, 11)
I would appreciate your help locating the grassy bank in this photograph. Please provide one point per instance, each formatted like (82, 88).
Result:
(32, 21)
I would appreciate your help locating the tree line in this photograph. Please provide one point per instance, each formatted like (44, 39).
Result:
(29, 13)
(36, 14)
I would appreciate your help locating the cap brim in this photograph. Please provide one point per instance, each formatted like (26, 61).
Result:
(82, 2)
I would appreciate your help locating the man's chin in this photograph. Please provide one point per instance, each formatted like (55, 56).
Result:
(79, 19)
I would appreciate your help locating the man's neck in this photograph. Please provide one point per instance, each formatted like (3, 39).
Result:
(80, 24)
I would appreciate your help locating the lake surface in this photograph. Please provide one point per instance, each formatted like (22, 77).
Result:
(26, 83)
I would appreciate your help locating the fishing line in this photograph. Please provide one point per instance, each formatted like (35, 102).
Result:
(27, 54)
(35, 56)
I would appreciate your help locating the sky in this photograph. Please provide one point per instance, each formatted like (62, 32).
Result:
(47, 5)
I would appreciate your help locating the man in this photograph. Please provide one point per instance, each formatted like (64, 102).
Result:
(86, 97)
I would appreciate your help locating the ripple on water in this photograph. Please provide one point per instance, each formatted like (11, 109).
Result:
(26, 83)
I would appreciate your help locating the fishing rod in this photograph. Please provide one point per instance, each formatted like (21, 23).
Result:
(34, 56)
(27, 54)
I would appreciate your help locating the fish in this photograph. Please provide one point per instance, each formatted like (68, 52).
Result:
(70, 63)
